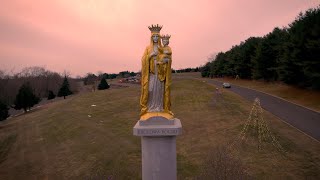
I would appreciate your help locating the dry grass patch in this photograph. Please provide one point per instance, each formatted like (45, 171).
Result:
(5, 146)
(210, 121)
(61, 141)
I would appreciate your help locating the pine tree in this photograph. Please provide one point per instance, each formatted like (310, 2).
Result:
(205, 70)
(25, 98)
(290, 54)
(51, 95)
(300, 61)
(64, 89)
(3, 111)
(103, 84)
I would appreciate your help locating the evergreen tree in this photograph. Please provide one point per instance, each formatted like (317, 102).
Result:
(268, 55)
(64, 89)
(4, 113)
(217, 67)
(244, 67)
(103, 84)
(289, 54)
(300, 63)
(25, 98)
(105, 75)
(51, 95)
(263, 62)
(205, 70)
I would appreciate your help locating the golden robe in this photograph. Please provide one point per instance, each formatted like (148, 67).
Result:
(164, 75)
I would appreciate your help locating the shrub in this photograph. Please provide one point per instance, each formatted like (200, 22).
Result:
(25, 98)
(51, 95)
(4, 111)
(103, 84)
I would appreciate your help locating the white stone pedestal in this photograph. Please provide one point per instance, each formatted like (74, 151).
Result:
(158, 146)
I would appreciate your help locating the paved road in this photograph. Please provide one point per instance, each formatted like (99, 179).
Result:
(302, 118)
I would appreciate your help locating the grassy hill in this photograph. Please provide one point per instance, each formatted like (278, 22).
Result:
(71, 139)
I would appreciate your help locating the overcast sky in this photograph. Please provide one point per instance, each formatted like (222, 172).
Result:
(83, 36)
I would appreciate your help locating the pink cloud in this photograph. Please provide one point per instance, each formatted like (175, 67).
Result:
(91, 35)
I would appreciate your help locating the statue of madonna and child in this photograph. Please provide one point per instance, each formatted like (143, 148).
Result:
(155, 98)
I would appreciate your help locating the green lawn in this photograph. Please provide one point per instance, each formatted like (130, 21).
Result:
(60, 140)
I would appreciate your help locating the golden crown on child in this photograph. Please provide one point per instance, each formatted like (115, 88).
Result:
(167, 36)
(155, 28)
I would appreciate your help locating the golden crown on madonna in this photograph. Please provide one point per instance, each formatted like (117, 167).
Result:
(155, 28)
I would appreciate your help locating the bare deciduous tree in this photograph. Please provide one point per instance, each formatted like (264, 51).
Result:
(40, 79)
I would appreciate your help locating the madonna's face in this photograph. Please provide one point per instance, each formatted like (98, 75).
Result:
(155, 38)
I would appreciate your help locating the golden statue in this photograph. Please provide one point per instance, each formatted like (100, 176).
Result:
(156, 77)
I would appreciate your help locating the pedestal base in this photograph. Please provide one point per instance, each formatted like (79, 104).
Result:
(158, 146)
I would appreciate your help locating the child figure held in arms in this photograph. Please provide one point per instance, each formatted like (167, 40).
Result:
(165, 57)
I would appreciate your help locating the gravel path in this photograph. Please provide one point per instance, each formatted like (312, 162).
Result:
(304, 119)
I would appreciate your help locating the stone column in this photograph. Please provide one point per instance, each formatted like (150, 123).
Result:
(158, 146)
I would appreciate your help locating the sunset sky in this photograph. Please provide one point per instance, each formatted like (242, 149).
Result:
(83, 36)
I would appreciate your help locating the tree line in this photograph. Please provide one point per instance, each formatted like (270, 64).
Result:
(91, 78)
(290, 55)
(28, 87)
(25, 89)
(184, 70)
